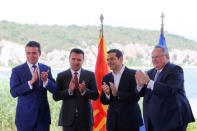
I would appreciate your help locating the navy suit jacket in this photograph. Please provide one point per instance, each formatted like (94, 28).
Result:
(30, 101)
(83, 102)
(125, 104)
(167, 106)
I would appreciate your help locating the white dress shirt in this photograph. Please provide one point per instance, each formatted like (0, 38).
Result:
(117, 78)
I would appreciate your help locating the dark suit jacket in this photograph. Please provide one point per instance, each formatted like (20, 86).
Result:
(167, 106)
(83, 102)
(30, 101)
(125, 104)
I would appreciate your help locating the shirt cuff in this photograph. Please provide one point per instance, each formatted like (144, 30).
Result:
(150, 84)
(46, 83)
(83, 93)
(139, 88)
(30, 86)
(70, 93)
(107, 96)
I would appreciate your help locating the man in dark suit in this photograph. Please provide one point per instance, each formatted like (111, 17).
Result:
(119, 91)
(30, 82)
(76, 87)
(165, 105)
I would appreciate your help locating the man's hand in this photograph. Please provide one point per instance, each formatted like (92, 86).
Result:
(34, 76)
(141, 78)
(146, 78)
(44, 76)
(105, 88)
(71, 85)
(82, 86)
(138, 76)
(113, 88)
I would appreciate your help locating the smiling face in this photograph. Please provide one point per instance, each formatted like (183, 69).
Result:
(32, 54)
(159, 60)
(114, 62)
(76, 61)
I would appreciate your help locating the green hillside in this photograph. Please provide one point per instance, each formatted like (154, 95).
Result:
(65, 37)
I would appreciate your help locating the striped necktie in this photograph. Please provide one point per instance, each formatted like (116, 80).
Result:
(36, 84)
(156, 75)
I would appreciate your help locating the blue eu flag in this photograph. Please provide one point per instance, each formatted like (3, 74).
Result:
(162, 41)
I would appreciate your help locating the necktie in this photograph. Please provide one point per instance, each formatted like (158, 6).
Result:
(36, 83)
(76, 82)
(156, 75)
(76, 89)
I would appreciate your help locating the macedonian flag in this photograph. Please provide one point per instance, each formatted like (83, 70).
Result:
(100, 70)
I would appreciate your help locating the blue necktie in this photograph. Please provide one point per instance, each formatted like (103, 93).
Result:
(36, 84)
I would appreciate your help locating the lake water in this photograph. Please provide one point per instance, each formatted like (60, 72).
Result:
(190, 75)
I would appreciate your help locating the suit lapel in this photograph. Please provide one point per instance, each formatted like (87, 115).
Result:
(69, 73)
(152, 74)
(123, 77)
(163, 72)
(82, 75)
(27, 72)
(111, 78)
(41, 70)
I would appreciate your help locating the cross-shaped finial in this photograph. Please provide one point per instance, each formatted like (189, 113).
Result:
(162, 25)
(162, 17)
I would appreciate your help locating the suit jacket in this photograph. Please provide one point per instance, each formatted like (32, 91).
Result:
(167, 106)
(30, 101)
(83, 102)
(125, 104)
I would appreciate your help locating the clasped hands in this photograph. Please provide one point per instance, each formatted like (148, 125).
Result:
(141, 78)
(43, 76)
(72, 86)
(106, 89)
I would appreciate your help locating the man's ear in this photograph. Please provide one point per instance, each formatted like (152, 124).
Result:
(40, 53)
(121, 59)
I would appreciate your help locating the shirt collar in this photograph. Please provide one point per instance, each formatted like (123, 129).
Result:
(160, 70)
(72, 71)
(30, 65)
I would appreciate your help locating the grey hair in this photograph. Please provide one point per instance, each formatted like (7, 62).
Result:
(164, 49)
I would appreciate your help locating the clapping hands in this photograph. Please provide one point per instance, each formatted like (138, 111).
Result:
(141, 78)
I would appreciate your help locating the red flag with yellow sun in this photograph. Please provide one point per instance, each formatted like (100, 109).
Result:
(100, 111)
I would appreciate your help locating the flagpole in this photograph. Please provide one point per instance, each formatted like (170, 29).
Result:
(162, 41)
(162, 25)
(101, 19)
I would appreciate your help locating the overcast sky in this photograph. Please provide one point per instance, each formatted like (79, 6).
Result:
(180, 15)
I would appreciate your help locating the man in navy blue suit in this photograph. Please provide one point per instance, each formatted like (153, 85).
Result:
(120, 93)
(30, 82)
(165, 105)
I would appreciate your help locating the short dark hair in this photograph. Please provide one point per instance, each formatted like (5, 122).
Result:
(118, 52)
(164, 49)
(77, 51)
(33, 44)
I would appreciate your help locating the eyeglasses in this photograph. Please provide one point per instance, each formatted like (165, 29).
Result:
(156, 57)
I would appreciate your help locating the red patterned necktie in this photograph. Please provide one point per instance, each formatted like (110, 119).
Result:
(76, 81)
(36, 83)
